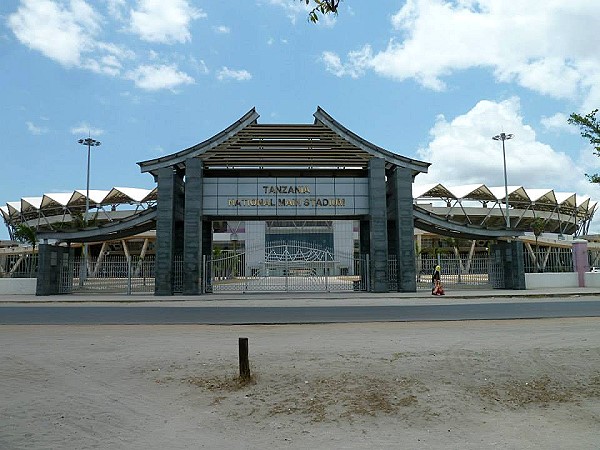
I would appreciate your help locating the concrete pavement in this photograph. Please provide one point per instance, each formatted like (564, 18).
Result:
(311, 299)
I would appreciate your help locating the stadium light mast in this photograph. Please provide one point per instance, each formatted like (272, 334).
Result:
(504, 137)
(90, 143)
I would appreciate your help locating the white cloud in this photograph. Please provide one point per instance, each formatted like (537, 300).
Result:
(86, 129)
(199, 65)
(164, 21)
(59, 32)
(34, 129)
(153, 78)
(551, 49)
(292, 8)
(358, 61)
(462, 152)
(98, 67)
(229, 74)
(117, 8)
(67, 33)
(222, 29)
(558, 122)
(295, 9)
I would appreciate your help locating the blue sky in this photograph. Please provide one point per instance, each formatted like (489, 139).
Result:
(429, 79)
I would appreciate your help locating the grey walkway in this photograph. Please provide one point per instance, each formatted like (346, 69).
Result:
(310, 298)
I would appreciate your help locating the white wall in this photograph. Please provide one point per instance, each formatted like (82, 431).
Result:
(551, 280)
(343, 245)
(255, 244)
(592, 279)
(16, 286)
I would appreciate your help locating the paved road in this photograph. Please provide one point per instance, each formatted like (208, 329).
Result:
(150, 315)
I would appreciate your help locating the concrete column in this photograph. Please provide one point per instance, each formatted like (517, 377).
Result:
(401, 215)
(168, 227)
(581, 263)
(378, 241)
(192, 231)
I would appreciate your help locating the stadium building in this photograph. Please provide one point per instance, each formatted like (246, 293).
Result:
(292, 207)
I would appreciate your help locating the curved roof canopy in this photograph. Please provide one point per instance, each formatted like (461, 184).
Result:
(59, 203)
(130, 226)
(246, 144)
(565, 210)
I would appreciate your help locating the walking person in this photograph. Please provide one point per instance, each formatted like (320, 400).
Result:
(436, 282)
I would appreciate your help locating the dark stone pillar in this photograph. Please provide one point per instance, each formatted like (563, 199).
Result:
(510, 255)
(400, 208)
(192, 252)
(51, 259)
(378, 226)
(170, 206)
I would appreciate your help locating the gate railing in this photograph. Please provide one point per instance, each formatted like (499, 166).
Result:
(24, 265)
(548, 259)
(112, 274)
(285, 268)
(459, 272)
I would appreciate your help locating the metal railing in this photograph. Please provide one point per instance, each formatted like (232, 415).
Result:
(110, 274)
(479, 271)
(285, 268)
(594, 258)
(24, 265)
(549, 259)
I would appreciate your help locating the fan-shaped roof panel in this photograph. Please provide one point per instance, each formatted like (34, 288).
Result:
(583, 201)
(566, 199)
(515, 193)
(4, 212)
(125, 195)
(96, 197)
(152, 195)
(14, 208)
(56, 199)
(31, 204)
(542, 196)
(583, 205)
(432, 190)
(473, 192)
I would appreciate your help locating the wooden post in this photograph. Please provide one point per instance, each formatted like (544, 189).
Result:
(244, 363)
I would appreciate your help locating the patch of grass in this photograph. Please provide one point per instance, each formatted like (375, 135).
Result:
(541, 391)
(347, 396)
(214, 384)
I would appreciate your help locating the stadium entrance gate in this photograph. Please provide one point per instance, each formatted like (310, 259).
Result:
(286, 267)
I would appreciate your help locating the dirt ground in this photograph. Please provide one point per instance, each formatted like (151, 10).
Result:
(529, 384)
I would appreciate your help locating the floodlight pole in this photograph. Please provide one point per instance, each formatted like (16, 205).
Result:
(504, 137)
(90, 143)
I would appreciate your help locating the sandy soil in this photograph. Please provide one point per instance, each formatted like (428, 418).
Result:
(455, 385)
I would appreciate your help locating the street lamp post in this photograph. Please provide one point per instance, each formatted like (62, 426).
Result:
(504, 137)
(90, 143)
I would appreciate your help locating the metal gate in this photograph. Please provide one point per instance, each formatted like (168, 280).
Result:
(285, 268)
(478, 272)
(111, 274)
